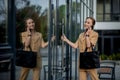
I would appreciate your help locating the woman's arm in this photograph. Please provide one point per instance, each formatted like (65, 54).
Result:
(44, 44)
(74, 45)
(26, 39)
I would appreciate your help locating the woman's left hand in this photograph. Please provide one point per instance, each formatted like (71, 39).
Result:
(53, 38)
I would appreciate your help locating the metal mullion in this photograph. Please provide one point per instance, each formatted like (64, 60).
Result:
(75, 37)
(92, 8)
(87, 6)
(67, 46)
(111, 10)
(70, 26)
(104, 10)
(49, 39)
(12, 40)
(83, 16)
(56, 32)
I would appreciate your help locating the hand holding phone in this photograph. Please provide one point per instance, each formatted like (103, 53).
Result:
(29, 32)
(86, 30)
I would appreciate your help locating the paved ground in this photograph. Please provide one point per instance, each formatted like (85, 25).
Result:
(6, 75)
(45, 60)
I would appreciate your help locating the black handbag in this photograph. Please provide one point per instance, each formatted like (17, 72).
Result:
(26, 58)
(89, 60)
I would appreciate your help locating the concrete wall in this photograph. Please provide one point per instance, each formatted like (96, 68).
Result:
(107, 26)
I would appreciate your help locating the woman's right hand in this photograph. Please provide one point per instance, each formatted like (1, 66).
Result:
(63, 38)
(29, 32)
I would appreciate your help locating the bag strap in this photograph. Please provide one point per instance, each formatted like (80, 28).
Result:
(28, 46)
(85, 49)
(93, 48)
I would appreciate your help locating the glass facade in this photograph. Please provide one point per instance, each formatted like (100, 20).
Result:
(86, 10)
(39, 11)
(35, 9)
(73, 21)
(71, 13)
(3, 21)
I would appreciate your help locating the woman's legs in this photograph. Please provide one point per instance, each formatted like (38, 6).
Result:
(82, 75)
(37, 69)
(36, 73)
(24, 73)
(93, 74)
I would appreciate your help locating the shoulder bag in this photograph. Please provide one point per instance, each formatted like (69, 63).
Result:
(26, 58)
(89, 60)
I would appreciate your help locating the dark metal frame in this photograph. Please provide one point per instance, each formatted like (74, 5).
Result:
(10, 46)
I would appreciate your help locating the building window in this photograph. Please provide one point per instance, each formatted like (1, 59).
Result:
(115, 11)
(109, 41)
(108, 10)
(3, 21)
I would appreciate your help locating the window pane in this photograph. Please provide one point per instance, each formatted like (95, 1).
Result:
(107, 6)
(117, 45)
(116, 10)
(107, 17)
(3, 21)
(108, 10)
(107, 46)
(99, 10)
(37, 10)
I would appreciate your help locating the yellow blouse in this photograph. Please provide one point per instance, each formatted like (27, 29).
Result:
(82, 42)
(36, 41)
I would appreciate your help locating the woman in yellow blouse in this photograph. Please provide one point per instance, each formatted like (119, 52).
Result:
(34, 39)
(86, 39)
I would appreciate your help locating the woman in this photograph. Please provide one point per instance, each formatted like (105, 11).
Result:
(35, 40)
(87, 39)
